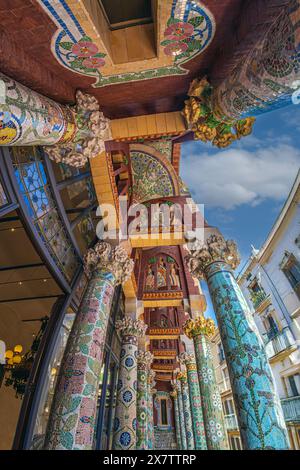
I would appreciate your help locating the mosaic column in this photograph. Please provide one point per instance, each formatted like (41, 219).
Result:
(75, 134)
(151, 391)
(258, 407)
(181, 416)
(182, 377)
(174, 395)
(72, 419)
(125, 424)
(195, 400)
(144, 359)
(199, 330)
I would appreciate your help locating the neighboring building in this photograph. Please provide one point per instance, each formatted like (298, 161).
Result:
(222, 377)
(270, 282)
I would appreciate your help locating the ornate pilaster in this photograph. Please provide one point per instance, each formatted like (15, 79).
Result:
(195, 400)
(151, 392)
(125, 417)
(182, 377)
(144, 360)
(75, 133)
(174, 395)
(258, 408)
(199, 330)
(72, 418)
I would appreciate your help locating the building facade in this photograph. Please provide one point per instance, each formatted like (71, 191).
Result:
(104, 342)
(270, 283)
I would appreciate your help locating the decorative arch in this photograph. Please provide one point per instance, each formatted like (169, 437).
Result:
(152, 173)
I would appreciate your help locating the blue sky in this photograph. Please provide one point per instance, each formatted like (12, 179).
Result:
(243, 187)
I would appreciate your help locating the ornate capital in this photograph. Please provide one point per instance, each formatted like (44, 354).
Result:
(216, 248)
(130, 327)
(182, 376)
(144, 359)
(115, 260)
(93, 129)
(173, 394)
(199, 326)
(188, 360)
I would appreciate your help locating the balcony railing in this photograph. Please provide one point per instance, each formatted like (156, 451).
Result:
(257, 298)
(231, 423)
(291, 409)
(279, 342)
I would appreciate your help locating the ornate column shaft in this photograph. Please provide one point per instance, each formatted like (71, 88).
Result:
(74, 133)
(215, 432)
(150, 393)
(181, 417)
(182, 377)
(125, 425)
(195, 400)
(174, 395)
(73, 412)
(258, 408)
(144, 360)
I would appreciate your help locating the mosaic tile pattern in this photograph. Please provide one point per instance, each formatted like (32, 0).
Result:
(211, 399)
(177, 419)
(258, 408)
(36, 191)
(268, 77)
(196, 407)
(187, 415)
(28, 118)
(125, 417)
(181, 418)
(76, 51)
(150, 429)
(72, 419)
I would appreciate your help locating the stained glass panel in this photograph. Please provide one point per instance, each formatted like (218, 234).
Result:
(36, 191)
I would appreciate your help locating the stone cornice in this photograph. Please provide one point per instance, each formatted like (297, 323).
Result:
(130, 327)
(104, 257)
(199, 326)
(216, 248)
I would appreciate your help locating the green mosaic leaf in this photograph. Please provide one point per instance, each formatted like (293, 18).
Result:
(70, 423)
(88, 390)
(194, 45)
(100, 54)
(94, 366)
(66, 45)
(86, 39)
(84, 348)
(166, 42)
(87, 328)
(74, 403)
(90, 378)
(75, 64)
(172, 20)
(196, 21)
(67, 440)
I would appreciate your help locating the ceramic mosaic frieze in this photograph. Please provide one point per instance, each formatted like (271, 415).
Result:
(187, 413)
(267, 78)
(257, 404)
(211, 400)
(189, 30)
(28, 118)
(72, 418)
(144, 360)
(150, 433)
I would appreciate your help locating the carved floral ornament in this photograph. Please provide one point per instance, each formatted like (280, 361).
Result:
(186, 358)
(199, 326)
(145, 359)
(174, 393)
(129, 327)
(93, 129)
(216, 248)
(104, 257)
(182, 376)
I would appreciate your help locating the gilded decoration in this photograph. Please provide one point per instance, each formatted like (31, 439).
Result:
(207, 124)
(185, 29)
(104, 257)
(199, 326)
(214, 249)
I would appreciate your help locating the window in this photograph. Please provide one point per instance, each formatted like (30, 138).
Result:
(293, 383)
(291, 268)
(164, 414)
(235, 443)
(228, 407)
(221, 353)
(271, 327)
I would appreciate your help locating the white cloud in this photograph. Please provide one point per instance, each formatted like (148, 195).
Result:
(236, 176)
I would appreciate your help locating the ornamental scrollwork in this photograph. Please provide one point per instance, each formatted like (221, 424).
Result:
(129, 327)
